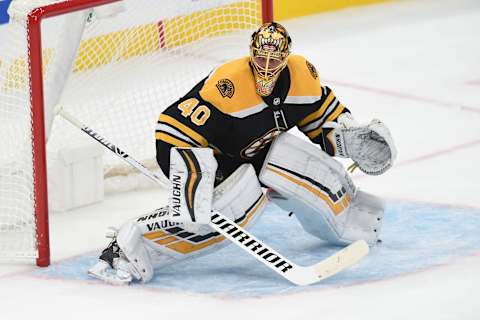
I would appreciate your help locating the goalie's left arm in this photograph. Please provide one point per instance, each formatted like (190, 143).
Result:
(329, 110)
(332, 127)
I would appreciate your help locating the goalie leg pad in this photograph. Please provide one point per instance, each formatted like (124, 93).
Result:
(192, 175)
(130, 240)
(318, 190)
(364, 218)
(154, 241)
(114, 267)
(239, 197)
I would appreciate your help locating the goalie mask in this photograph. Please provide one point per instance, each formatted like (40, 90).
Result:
(269, 50)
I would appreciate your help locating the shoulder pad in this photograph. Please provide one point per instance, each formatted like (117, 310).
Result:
(305, 81)
(231, 89)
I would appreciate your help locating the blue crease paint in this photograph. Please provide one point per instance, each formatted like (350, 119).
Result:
(415, 237)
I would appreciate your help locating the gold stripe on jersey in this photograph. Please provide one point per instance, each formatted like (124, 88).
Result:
(329, 141)
(186, 247)
(169, 130)
(332, 117)
(244, 96)
(215, 149)
(184, 129)
(302, 82)
(172, 140)
(315, 133)
(319, 113)
(336, 113)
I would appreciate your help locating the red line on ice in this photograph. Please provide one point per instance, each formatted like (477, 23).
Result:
(431, 155)
(440, 152)
(405, 96)
(474, 82)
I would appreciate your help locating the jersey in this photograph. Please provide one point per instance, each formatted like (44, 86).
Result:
(224, 112)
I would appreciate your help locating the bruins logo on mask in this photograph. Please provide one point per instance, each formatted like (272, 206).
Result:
(226, 88)
(312, 70)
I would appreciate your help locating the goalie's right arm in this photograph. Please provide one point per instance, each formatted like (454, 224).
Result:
(175, 129)
(191, 122)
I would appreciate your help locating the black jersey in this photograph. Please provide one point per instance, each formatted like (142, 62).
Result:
(224, 112)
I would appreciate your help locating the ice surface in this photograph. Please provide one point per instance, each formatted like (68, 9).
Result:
(416, 237)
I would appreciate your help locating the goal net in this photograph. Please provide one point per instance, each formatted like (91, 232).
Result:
(114, 65)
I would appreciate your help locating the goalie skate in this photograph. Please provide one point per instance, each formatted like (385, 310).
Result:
(112, 266)
(102, 271)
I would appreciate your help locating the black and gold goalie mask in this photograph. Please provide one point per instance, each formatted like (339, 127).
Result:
(269, 50)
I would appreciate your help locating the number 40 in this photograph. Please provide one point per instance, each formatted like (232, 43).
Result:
(198, 115)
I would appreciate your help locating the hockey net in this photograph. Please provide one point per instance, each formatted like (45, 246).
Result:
(114, 65)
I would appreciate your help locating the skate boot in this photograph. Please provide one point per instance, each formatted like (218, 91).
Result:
(113, 266)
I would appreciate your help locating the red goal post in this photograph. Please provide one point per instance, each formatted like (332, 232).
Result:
(36, 55)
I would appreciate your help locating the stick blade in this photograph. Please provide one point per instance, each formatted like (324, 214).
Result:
(341, 260)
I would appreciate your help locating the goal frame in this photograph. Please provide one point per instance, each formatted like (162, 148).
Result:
(34, 20)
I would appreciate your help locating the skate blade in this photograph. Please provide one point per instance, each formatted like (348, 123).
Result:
(102, 271)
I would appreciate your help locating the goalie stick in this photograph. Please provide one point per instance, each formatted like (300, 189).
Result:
(296, 274)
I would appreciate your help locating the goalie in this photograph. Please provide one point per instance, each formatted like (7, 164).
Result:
(227, 137)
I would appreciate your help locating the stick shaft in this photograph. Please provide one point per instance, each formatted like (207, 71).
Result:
(161, 180)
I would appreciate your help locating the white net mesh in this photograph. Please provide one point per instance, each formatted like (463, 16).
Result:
(127, 69)
(17, 223)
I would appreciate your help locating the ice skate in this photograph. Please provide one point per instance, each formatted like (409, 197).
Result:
(113, 266)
